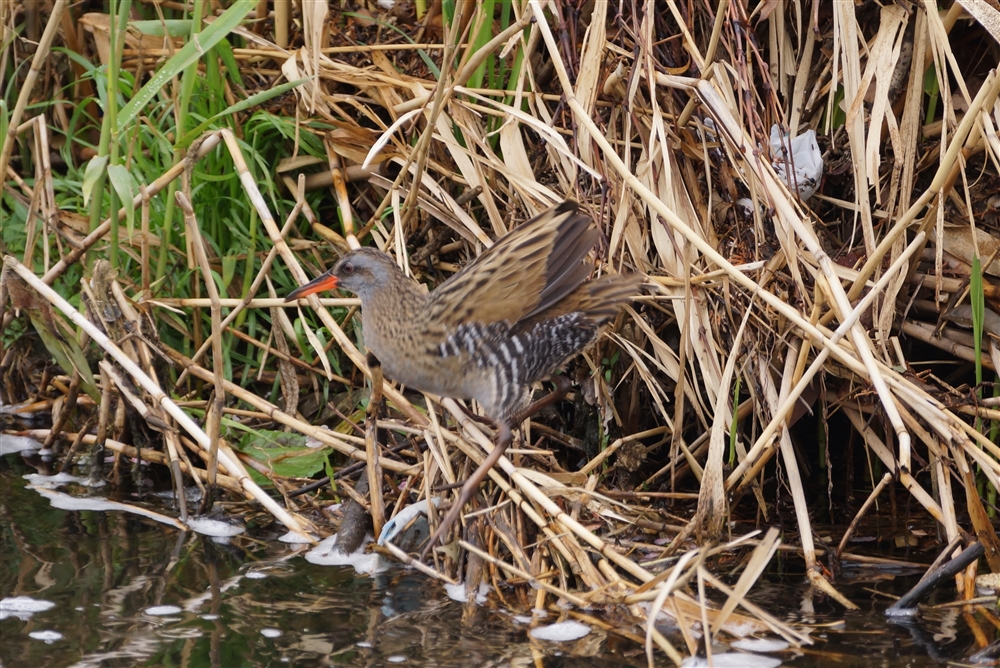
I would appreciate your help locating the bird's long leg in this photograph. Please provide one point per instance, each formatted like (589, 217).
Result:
(503, 440)
(470, 487)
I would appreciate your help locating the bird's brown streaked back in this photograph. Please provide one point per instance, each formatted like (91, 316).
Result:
(528, 270)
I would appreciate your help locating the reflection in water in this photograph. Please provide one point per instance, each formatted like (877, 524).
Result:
(128, 592)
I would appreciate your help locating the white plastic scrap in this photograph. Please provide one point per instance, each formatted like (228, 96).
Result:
(396, 524)
(806, 159)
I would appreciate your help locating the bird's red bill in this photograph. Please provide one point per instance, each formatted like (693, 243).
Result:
(324, 282)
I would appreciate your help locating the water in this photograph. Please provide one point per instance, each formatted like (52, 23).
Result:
(245, 602)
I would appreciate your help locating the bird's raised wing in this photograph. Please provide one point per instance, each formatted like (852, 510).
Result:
(529, 270)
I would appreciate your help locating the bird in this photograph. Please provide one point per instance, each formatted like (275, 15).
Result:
(506, 321)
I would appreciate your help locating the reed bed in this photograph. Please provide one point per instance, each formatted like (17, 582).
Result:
(849, 338)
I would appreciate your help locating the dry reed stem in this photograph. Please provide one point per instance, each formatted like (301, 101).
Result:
(214, 412)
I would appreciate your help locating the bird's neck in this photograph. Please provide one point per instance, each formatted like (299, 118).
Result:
(404, 300)
(392, 317)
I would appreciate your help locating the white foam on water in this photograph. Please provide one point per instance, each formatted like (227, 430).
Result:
(47, 637)
(25, 604)
(162, 610)
(459, 592)
(732, 660)
(216, 528)
(54, 481)
(66, 502)
(456, 592)
(760, 645)
(9, 444)
(293, 538)
(560, 632)
(328, 554)
(270, 633)
(23, 607)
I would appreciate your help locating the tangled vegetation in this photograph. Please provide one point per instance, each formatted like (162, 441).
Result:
(173, 170)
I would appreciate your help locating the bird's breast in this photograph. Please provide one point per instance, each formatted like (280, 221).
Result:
(411, 356)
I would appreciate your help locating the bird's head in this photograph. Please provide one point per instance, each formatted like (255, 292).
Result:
(364, 272)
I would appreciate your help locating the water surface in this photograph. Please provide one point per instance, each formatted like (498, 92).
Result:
(131, 592)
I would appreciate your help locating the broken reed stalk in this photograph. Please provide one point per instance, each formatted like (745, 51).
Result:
(214, 413)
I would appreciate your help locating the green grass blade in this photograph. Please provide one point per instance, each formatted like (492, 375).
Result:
(126, 187)
(232, 68)
(977, 301)
(172, 27)
(187, 55)
(252, 101)
(484, 22)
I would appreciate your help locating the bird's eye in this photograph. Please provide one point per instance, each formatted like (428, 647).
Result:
(348, 268)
